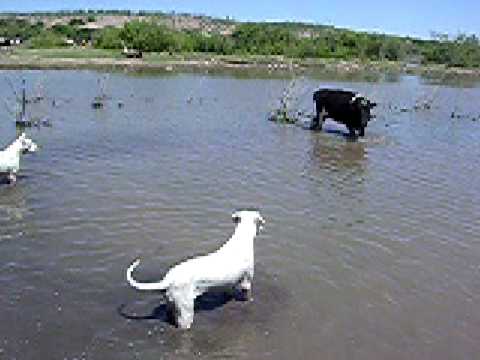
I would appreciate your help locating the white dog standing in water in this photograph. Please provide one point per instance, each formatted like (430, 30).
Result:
(231, 265)
(10, 157)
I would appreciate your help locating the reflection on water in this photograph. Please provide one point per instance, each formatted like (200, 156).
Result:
(337, 163)
(370, 246)
(334, 153)
(13, 206)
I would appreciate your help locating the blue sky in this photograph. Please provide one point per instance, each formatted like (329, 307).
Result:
(406, 17)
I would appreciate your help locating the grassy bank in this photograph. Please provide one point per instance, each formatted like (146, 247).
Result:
(90, 58)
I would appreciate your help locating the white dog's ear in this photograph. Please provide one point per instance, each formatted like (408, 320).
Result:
(261, 220)
(236, 217)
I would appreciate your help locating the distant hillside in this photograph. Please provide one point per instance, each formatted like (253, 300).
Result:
(114, 18)
(158, 31)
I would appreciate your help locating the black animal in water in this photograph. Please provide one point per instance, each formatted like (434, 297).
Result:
(347, 107)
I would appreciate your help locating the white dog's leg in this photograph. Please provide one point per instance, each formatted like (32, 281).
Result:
(184, 306)
(245, 287)
(12, 178)
(171, 311)
(185, 313)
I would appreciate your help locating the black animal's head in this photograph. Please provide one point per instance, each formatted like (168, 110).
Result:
(362, 101)
(364, 105)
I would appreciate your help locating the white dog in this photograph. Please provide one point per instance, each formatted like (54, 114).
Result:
(231, 265)
(10, 157)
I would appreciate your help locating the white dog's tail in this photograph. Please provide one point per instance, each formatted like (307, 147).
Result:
(162, 285)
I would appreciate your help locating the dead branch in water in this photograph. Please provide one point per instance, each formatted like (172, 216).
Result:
(287, 109)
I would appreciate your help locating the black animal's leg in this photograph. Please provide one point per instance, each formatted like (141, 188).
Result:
(315, 123)
(320, 122)
(319, 117)
(361, 132)
(351, 132)
(322, 116)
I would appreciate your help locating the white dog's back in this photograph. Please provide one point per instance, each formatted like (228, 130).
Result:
(221, 266)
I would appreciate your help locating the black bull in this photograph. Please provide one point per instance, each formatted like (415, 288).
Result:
(346, 107)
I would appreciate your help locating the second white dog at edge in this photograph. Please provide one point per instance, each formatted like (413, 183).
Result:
(232, 265)
(10, 157)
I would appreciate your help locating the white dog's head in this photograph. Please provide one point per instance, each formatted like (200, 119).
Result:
(246, 216)
(26, 144)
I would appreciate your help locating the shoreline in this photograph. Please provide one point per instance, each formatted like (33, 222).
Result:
(72, 59)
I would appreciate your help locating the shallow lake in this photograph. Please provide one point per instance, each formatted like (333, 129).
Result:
(371, 248)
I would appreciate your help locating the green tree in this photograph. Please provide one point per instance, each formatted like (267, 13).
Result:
(108, 38)
(147, 36)
(47, 40)
(392, 49)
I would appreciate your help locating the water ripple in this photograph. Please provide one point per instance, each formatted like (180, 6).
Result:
(370, 247)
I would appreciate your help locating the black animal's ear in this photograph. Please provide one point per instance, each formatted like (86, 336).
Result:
(356, 98)
(372, 105)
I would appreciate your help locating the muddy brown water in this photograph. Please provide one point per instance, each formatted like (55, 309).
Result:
(371, 248)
